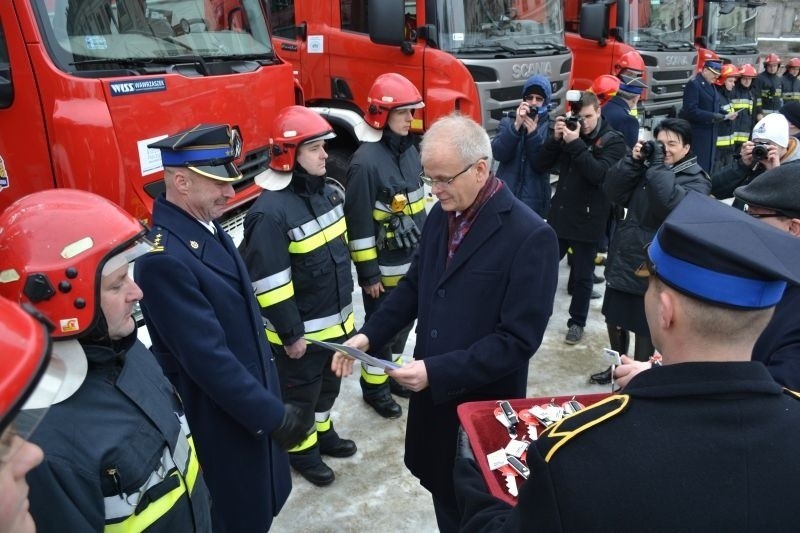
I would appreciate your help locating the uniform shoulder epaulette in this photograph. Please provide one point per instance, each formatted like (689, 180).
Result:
(159, 238)
(573, 425)
(791, 393)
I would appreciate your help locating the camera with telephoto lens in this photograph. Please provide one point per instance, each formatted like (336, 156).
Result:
(573, 120)
(760, 151)
(649, 148)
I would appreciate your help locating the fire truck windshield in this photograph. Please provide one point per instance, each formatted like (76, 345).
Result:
(108, 34)
(661, 23)
(505, 26)
(731, 25)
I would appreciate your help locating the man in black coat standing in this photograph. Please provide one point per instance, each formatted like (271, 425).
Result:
(582, 147)
(701, 108)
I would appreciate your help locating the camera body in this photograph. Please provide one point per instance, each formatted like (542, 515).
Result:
(760, 151)
(573, 120)
(649, 148)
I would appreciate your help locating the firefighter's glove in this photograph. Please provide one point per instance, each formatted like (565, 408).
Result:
(407, 233)
(463, 447)
(291, 431)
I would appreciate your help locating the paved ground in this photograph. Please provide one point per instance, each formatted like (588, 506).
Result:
(373, 490)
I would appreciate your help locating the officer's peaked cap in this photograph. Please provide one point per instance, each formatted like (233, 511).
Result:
(208, 149)
(716, 253)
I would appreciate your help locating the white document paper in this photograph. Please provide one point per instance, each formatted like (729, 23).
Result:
(355, 353)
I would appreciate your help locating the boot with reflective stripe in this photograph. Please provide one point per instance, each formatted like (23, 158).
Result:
(330, 443)
(308, 464)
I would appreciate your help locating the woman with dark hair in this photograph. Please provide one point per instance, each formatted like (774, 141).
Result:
(649, 183)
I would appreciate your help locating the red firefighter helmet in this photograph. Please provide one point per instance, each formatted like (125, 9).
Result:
(748, 71)
(390, 91)
(728, 71)
(793, 62)
(293, 126)
(703, 55)
(630, 60)
(604, 87)
(25, 349)
(54, 247)
(772, 59)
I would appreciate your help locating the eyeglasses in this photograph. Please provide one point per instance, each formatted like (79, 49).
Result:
(531, 97)
(431, 182)
(765, 215)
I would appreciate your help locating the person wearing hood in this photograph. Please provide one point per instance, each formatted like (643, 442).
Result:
(119, 455)
(583, 147)
(518, 140)
(385, 212)
(648, 183)
(295, 249)
(770, 147)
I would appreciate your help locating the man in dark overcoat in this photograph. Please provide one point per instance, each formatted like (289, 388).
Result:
(702, 109)
(209, 337)
(481, 288)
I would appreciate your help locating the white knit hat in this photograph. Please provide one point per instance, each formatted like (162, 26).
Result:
(774, 127)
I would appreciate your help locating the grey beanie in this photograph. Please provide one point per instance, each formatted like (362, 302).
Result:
(777, 188)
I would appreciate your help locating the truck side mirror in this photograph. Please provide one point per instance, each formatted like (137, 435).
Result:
(386, 22)
(594, 22)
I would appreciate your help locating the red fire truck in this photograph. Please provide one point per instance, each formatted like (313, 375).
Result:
(662, 32)
(729, 29)
(85, 85)
(465, 55)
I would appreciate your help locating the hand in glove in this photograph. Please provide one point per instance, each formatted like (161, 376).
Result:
(291, 431)
(657, 156)
(463, 447)
(407, 231)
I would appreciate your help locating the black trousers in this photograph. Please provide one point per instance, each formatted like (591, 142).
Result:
(583, 254)
(386, 352)
(308, 382)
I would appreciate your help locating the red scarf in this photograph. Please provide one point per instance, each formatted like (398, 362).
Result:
(459, 225)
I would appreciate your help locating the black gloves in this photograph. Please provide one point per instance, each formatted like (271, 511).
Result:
(398, 232)
(463, 447)
(657, 157)
(291, 431)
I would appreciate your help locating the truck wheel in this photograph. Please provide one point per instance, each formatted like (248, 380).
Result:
(338, 163)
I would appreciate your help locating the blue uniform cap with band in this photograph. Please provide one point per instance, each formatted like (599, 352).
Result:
(713, 252)
(208, 149)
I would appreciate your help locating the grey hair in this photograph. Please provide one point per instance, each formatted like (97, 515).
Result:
(469, 139)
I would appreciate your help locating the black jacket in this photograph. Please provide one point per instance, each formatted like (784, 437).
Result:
(617, 113)
(770, 92)
(692, 447)
(649, 194)
(295, 249)
(778, 347)
(579, 208)
(107, 448)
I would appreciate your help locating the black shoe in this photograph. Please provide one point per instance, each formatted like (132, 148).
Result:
(398, 390)
(320, 475)
(309, 465)
(385, 406)
(597, 279)
(601, 378)
(574, 334)
(333, 445)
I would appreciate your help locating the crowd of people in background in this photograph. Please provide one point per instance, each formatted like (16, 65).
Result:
(199, 432)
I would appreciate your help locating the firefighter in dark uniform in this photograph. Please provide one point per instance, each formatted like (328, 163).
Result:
(770, 87)
(119, 455)
(790, 91)
(723, 152)
(295, 248)
(208, 334)
(706, 442)
(385, 210)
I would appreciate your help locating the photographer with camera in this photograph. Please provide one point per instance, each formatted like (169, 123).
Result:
(649, 183)
(582, 147)
(770, 147)
(519, 138)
